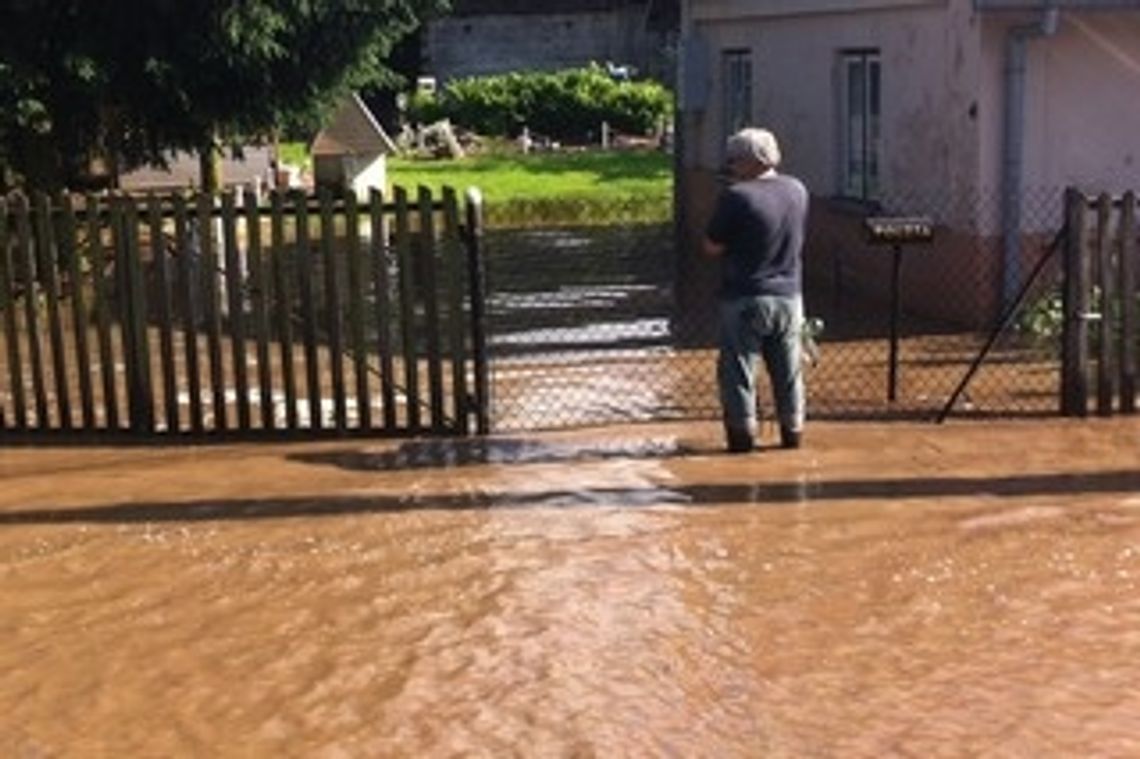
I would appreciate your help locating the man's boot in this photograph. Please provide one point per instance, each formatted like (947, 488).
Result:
(740, 439)
(790, 438)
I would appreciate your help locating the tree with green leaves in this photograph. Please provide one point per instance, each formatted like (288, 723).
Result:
(131, 79)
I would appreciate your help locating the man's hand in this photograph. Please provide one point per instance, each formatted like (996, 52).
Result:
(809, 337)
(712, 249)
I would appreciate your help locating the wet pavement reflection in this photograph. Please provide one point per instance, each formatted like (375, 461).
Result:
(888, 590)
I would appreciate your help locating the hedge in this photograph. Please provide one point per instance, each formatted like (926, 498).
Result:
(567, 105)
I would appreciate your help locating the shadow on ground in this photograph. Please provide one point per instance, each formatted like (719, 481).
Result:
(457, 452)
(763, 493)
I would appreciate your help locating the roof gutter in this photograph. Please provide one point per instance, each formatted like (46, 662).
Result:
(1013, 129)
(1017, 41)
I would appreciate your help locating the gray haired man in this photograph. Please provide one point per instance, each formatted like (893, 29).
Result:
(757, 231)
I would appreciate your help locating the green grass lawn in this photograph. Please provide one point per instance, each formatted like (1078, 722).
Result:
(591, 186)
(604, 177)
(508, 177)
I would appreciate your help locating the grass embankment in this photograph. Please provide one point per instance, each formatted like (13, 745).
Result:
(591, 185)
(587, 186)
(610, 176)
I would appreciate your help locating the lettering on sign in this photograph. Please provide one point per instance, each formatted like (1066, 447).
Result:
(895, 230)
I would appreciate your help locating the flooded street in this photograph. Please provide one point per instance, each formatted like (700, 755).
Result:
(889, 590)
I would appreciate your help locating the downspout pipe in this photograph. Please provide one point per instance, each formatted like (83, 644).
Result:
(1013, 167)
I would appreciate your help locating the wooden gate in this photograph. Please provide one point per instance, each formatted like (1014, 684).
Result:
(198, 315)
(1101, 304)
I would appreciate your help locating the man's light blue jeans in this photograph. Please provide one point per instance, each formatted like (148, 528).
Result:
(764, 327)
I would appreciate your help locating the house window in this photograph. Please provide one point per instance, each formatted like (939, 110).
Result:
(737, 80)
(860, 123)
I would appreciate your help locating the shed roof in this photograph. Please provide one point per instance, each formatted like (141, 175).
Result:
(353, 130)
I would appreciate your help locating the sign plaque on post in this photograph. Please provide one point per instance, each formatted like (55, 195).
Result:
(896, 231)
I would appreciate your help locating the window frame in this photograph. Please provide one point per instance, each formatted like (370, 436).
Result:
(860, 123)
(736, 89)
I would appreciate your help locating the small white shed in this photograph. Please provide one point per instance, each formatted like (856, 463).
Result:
(352, 150)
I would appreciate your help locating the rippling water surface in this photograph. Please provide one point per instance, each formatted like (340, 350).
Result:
(891, 591)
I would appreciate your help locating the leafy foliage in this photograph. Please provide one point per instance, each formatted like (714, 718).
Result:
(567, 105)
(1043, 320)
(134, 78)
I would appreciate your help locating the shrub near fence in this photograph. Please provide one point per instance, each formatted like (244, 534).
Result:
(567, 105)
(182, 315)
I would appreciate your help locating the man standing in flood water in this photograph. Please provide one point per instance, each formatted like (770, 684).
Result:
(757, 231)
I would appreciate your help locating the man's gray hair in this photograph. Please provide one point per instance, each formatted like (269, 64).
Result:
(754, 144)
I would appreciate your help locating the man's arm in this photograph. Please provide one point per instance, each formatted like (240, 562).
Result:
(713, 243)
(711, 248)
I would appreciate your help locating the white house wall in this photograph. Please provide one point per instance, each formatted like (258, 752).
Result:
(1082, 102)
(368, 173)
(943, 112)
(360, 173)
(931, 118)
(930, 73)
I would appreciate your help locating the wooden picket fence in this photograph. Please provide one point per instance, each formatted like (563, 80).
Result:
(294, 316)
(1101, 304)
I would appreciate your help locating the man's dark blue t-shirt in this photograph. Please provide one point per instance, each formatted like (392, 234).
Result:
(761, 222)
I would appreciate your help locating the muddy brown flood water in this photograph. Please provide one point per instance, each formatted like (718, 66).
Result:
(898, 590)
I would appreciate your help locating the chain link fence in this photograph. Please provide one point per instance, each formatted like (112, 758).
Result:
(596, 314)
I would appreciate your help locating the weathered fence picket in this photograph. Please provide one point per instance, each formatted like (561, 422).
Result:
(140, 396)
(1106, 281)
(282, 276)
(233, 277)
(70, 250)
(382, 289)
(26, 272)
(453, 278)
(1100, 287)
(19, 413)
(332, 304)
(306, 272)
(1130, 306)
(476, 273)
(426, 242)
(97, 259)
(48, 266)
(163, 302)
(188, 260)
(208, 275)
(175, 316)
(357, 283)
(408, 321)
(259, 293)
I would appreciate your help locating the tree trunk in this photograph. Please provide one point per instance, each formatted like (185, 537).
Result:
(39, 164)
(210, 167)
